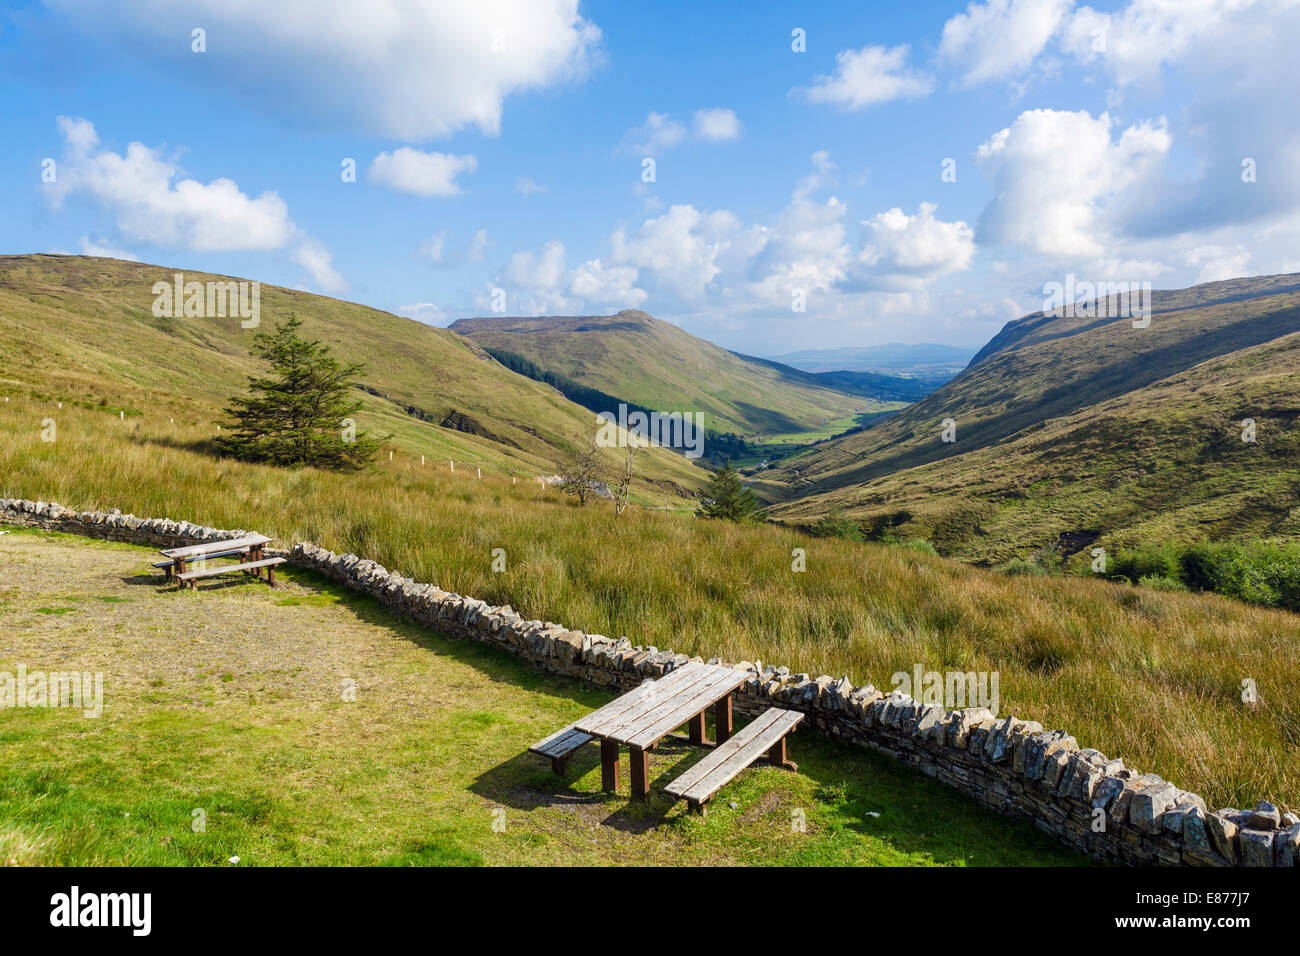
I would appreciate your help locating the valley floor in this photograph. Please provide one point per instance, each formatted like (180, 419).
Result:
(229, 701)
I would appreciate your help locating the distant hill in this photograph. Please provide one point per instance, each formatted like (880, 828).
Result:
(648, 362)
(886, 387)
(81, 330)
(894, 356)
(1071, 430)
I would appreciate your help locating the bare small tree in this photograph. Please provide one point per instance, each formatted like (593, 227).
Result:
(624, 486)
(581, 475)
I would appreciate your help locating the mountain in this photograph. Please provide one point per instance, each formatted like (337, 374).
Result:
(1084, 429)
(82, 330)
(648, 362)
(894, 356)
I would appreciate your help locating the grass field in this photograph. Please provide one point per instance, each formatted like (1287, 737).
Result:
(229, 701)
(1151, 677)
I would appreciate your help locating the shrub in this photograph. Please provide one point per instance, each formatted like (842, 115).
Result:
(1157, 583)
(1019, 566)
(916, 544)
(1155, 561)
(835, 525)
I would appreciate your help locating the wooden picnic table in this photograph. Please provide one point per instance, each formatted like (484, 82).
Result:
(642, 717)
(249, 549)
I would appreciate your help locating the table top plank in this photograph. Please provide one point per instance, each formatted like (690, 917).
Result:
(655, 702)
(197, 550)
(720, 684)
(648, 693)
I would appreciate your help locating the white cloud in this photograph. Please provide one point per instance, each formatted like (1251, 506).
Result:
(542, 271)
(716, 123)
(432, 248)
(1000, 38)
(541, 284)
(422, 174)
(408, 69)
(1135, 43)
(903, 250)
(137, 189)
(478, 246)
(681, 247)
(823, 174)
(874, 74)
(525, 186)
(1057, 177)
(660, 132)
(318, 262)
(656, 134)
(609, 287)
(93, 247)
(806, 248)
(149, 204)
(425, 312)
(1218, 262)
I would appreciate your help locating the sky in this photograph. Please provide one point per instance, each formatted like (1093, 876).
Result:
(769, 176)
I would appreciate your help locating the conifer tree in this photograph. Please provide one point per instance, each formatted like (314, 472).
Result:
(301, 413)
(725, 497)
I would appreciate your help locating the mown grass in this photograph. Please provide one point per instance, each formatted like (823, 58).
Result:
(244, 723)
(1155, 678)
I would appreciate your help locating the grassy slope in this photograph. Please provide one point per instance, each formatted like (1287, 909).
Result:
(653, 363)
(1088, 425)
(256, 734)
(1151, 677)
(79, 329)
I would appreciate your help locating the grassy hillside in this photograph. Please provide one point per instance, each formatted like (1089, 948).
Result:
(1083, 430)
(649, 362)
(1151, 677)
(81, 331)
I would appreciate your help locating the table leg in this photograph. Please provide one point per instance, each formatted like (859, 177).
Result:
(696, 728)
(640, 760)
(722, 719)
(178, 568)
(608, 766)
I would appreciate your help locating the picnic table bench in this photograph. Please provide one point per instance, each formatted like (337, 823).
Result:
(249, 549)
(645, 715)
(762, 737)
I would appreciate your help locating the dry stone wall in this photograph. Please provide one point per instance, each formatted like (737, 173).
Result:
(1094, 804)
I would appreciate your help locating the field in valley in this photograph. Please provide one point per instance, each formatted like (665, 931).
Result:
(1152, 677)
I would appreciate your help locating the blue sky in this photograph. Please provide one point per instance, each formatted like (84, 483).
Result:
(500, 145)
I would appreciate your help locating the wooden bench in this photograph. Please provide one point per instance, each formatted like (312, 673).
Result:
(189, 577)
(765, 735)
(560, 746)
(169, 566)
